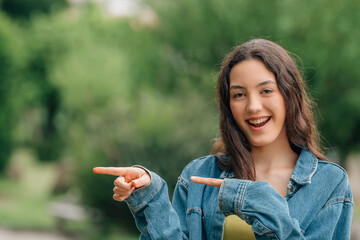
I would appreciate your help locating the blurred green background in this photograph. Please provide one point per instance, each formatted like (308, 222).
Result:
(116, 83)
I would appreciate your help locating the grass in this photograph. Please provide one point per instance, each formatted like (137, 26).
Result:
(25, 202)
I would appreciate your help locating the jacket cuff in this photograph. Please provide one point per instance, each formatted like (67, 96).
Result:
(231, 196)
(142, 196)
(143, 168)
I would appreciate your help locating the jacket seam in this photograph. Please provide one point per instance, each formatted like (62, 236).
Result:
(148, 199)
(193, 210)
(189, 211)
(183, 183)
(334, 164)
(242, 187)
(193, 161)
(335, 201)
(220, 196)
(268, 231)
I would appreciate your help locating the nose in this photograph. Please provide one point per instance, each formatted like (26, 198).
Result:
(254, 104)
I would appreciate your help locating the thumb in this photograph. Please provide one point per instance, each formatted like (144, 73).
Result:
(141, 182)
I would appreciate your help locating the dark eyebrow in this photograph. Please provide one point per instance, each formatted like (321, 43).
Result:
(259, 85)
(236, 87)
(266, 82)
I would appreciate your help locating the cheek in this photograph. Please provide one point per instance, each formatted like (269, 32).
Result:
(279, 108)
(236, 110)
(238, 113)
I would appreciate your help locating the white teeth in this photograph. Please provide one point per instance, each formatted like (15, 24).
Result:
(258, 121)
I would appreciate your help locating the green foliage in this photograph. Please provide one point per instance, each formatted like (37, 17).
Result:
(27, 208)
(109, 112)
(116, 92)
(10, 62)
(25, 8)
(327, 37)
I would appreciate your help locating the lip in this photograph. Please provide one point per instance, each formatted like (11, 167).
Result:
(257, 129)
(256, 118)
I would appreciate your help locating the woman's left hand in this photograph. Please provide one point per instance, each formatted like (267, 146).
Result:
(208, 181)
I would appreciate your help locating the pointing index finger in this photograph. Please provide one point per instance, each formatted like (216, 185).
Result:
(207, 181)
(115, 171)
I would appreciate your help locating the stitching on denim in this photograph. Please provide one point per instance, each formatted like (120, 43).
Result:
(334, 201)
(245, 187)
(237, 199)
(268, 230)
(313, 169)
(272, 236)
(299, 181)
(189, 211)
(308, 178)
(146, 200)
(242, 187)
(322, 161)
(182, 182)
(348, 194)
(220, 197)
(193, 210)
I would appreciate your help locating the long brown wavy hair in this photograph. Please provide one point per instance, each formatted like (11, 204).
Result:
(299, 122)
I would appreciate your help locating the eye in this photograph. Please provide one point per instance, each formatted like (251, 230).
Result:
(238, 95)
(267, 91)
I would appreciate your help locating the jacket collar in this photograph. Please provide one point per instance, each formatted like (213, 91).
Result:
(305, 168)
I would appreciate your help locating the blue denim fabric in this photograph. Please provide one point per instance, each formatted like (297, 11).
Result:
(318, 204)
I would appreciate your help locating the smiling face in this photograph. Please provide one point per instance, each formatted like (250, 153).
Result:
(257, 104)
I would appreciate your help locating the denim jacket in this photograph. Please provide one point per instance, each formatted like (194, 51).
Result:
(318, 204)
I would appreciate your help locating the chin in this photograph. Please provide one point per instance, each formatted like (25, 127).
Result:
(260, 143)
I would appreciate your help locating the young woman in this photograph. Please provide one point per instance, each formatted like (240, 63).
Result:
(266, 172)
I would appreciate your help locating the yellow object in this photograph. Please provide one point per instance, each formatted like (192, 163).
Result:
(236, 228)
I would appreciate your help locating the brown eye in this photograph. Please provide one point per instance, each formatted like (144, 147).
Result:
(267, 91)
(238, 95)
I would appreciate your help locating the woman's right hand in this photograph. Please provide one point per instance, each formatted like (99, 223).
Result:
(129, 179)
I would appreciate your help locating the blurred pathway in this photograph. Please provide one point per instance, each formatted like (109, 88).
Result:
(9, 234)
(355, 230)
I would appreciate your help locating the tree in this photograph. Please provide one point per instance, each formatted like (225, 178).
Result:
(10, 59)
(25, 9)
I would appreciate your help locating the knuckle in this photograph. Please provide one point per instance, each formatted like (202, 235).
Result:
(116, 182)
(135, 183)
(119, 198)
(115, 197)
(116, 190)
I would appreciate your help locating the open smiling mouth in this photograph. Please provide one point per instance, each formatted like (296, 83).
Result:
(258, 122)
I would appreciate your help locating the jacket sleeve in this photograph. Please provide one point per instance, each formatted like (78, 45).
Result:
(154, 215)
(267, 211)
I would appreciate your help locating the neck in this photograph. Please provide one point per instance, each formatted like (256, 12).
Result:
(277, 155)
